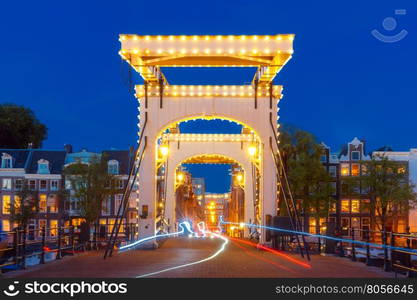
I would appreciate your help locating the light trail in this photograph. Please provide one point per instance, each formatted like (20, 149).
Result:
(273, 251)
(262, 258)
(223, 246)
(323, 236)
(183, 226)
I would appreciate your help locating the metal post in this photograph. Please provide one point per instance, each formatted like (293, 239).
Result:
(146, 93)
(16, 245)
(256, 93)
(72, 238)
(43, 245)
(368, 249)
(59, 254)
(353, 245)
(341, 250)
(384, 241)
(161, 91)
(24, 249)
(392, 243)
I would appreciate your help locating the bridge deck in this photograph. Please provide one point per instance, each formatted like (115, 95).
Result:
(238, 260)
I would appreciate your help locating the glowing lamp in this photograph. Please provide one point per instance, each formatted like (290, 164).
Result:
(252, 150)
(239, 177)
(180, 177)
(164, 150)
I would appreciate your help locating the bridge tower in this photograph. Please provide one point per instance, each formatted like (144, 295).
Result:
(162, 106)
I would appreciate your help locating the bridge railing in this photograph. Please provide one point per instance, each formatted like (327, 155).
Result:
(20, 248)
(393, 251)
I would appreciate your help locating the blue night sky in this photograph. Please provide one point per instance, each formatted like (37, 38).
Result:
(61, 61)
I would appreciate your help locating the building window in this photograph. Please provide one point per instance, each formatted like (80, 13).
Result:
(42, 203)
(333, 188)
(323, 158)
(43, 166)
(7, 184)
(355, 155)
(344, 169)
(119, 184)
(345, 226)
(117, 202)
(355, 169)
(355, 205)
(16, 202)
(6, 205)
(32, 185)
(42, 185)
(365, 206)
(42, 225)
(18, 184)
(53, 226)
(6, 161)
(5, 226)
(52, 203)
(345, 206)
(332, 171)
(113, 167)
(106, 206)
(54, 185)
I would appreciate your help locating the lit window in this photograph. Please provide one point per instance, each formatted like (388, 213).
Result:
(43, 167)
(5, 225)
(6, 205)
(54, 185)
(355, 205)
(113, 167)
(7, 184)
(6, 161)
(17, 202)
(355, 155)
(53, 203)
(401, 170)
(53, 225)
(345, 206)
(344, 169)
(355, 169)
(42, 203)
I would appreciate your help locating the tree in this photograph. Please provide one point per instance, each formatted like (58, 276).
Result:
(389, 187)
(19, 127)
(24, 207)
(309, 180)
(91, 185)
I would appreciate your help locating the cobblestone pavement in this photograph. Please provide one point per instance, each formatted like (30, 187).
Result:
(238, 260)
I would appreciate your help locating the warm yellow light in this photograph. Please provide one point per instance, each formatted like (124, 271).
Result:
(239, 177)
(241, 225)
(164, 150)
(180, 177)
(252, 150)
(161, 204)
